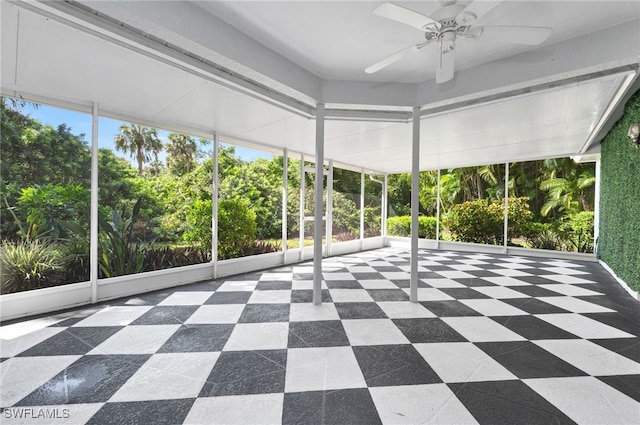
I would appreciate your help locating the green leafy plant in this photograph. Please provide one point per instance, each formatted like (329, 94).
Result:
(577, 231)
(236, 228)
(543, 236)
(401, 226)
(29, 264)
(168, 257)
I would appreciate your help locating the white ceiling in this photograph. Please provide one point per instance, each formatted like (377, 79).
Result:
(254, 71)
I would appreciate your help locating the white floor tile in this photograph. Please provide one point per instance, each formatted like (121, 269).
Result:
(454, 274)
(564, 270)
(587, 400)
(430, 294)
(404, 310)
(491, 307)
(361, 269)
(216, 314)
(583, 327)
(513, 265)
(22, 375)
(187, 298)
(420, 404)
(258, 336)
(114, 316)
(505, 281)
(373, 332)
(377, 284)
(562, 263)
(590, 357)
(481, 329)
(264, 409)
(271, 276)
(304, 312)
(500, 292)
(510, 272)
(270, 297)
(324, 368)
(136, 340)
(165, 376)
(350, 295)
(462, 362)
(10, 347)
(443, 283)
(306, 284)
(63, 414)
(576, 305)
(338, 276)
(396, 275)
(238, 285)
(571, 290)
(563, 278)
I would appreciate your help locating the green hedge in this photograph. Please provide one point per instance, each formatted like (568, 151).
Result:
(619, 237)
(401, 226)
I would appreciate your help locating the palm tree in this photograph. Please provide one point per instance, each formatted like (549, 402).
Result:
(182, 150)
(566, 184)
(141, 142)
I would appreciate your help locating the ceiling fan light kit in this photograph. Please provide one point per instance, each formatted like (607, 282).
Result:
(445, 26)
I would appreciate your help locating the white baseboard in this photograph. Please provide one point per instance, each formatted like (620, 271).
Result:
(634, 294)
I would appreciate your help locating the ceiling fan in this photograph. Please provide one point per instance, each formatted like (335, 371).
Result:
(450, 22)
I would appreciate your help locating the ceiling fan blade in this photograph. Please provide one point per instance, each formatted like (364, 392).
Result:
(478, 8)
(518, 35)
(394, 58)
(402, 15)
(445, 69)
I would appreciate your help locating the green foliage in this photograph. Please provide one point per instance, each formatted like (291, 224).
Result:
(142, 143)
(29, 264)
(401, 226)
(482, 222)
(198, 219)
(619, 236)
(168, 257)
(236, 228)
(372, 221)
(182, 151)
(346, 215)
(577, 231)
(544, 236)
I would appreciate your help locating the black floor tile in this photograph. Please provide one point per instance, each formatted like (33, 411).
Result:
(303, 276)
(360, 311)
(464, 293)
(343, 284)
(403, 283)
(388, 294)
(626, 384)
(244, 276)
(247, 372)
(538, 280)
(428, 330)
(230, 297)
(273, 285)
(483, 273)
(157, 412)
(614, 319)
(449, 308)
(532, 327)
(627, 347)
(508, 403)
(72, 341)
(353, 407)
(393, 365)
(472, 282)
(534, 306)
(526, 360)
(367, 276)
(317, 334)
(261, 313)
(306, 296)
(91, 379)
(197, 338)
(166, 315)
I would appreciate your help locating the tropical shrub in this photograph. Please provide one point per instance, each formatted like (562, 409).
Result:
(544, 236)
(29, 264)
(168, 257)
(236, 228)
(372, 221)
(401, 226)
(576, 231)
(198, 220)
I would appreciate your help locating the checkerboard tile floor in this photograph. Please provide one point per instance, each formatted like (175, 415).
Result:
(494, 339)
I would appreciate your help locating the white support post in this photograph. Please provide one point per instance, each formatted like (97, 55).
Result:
(285, 196)
(415, 187)
(438, 213)
(317, 228)
(506, 206)
(596, 209)
(362, 210)
(384, 206)
(93, 213)
(329, 213)
(301, 216)
(214, 205)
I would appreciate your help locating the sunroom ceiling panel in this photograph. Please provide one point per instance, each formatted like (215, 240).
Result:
(8, 43)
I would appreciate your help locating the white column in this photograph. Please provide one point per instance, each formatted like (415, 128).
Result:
(301, 215)
(362, 209)
(384, 206)
(317, 222)
(285, 196)
(214, 205)
(596, 209)
(506, 205)
(93, 214)
(329, 213)
(415, 188)
(438, 213)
